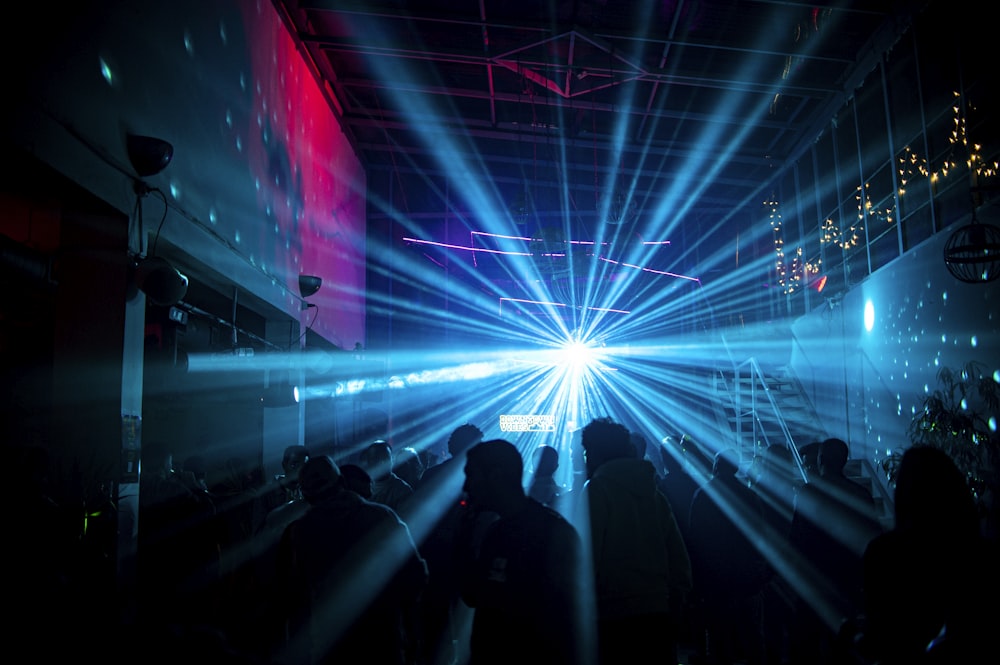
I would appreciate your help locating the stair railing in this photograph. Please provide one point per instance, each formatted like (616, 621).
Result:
(756, 378)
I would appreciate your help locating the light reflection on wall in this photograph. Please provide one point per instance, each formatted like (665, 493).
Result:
(309, 184)
(263, 184)
(923, 320)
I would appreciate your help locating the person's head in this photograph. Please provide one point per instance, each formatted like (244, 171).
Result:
(493, 471)
(546, 461)
(319, 479)
(809, 453)
(462, 438)
(726, 464)
(775, 467)
(603, 440)
(639, 443)
(831, 457)
(292, 461)
(377, 459)
(408, 465)
(156, 458)
(197, 467)
(356, 479)
(671, 454)
(931, 492)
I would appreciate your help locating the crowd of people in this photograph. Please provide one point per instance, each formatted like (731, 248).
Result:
(665, 553)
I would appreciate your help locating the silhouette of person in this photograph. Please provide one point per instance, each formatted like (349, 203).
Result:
(776, 482)
(387, 487)
(287, 504)
(832, 524)
(931, 582)
(543, 486)
(521, 571)
(408, 465)
(809, 454)
(641, 568)
(196, 470)
(686, 469)
(285, 486)
(235, 496)
(357, 480)
(437, 500)
(350, 573)
(725, 518)
(178, 549)
(41, 558)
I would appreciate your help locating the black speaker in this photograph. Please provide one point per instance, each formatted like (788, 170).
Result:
(309, 284)
(148, 154)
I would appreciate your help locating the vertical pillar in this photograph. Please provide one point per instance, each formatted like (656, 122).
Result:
(282, 426)
(97, 377)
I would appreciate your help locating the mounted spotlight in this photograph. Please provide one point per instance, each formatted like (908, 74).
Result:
(309, 285)
(278, 395)
(161, 282)
(148, 154)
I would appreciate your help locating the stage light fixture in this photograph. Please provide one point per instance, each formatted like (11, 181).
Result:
(149, 155)
(279, 395)
(309, 285)
(162, 283)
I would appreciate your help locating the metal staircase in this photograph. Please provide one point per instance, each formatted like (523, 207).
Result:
(762, 407)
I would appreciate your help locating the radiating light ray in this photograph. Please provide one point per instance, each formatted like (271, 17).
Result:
(656, 356)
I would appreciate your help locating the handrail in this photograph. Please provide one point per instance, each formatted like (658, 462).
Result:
(756, 376)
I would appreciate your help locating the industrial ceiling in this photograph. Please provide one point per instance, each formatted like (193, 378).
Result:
(671, 116)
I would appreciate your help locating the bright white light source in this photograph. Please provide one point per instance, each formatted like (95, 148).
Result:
(869, 315)
(577, 354)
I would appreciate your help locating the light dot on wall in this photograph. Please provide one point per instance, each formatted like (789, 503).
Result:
(106, 72)
(974, 342)
(996, 375)
(869, 315)
(993, 423)
(964, 404)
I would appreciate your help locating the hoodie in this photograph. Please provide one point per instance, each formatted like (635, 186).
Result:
(641, 563)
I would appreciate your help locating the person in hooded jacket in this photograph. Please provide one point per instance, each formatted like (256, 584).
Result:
(641, 568)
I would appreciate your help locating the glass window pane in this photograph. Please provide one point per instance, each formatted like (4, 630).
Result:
(903, 90)
(872, 130)
(826, 182)
(917, 227)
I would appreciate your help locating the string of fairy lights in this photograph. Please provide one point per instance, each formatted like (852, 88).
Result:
(793, 273)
